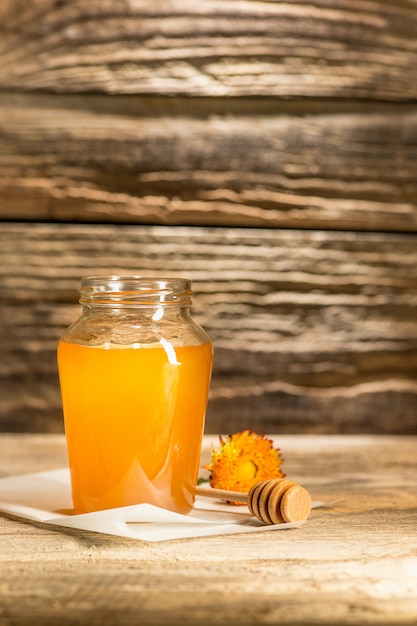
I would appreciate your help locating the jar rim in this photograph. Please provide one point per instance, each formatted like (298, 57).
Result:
(124, 290)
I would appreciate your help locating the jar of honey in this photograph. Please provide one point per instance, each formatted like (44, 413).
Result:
(134, 373)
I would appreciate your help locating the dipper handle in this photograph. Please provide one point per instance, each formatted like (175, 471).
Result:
(272, 501)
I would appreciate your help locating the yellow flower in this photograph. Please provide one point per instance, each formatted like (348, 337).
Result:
(242, 460)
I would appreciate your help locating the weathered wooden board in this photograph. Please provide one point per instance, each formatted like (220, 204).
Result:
(313, 331)
(61, 161)
(349, 49)
(219, 114)
(351, 563)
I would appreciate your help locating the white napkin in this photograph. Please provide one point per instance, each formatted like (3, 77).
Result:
(46, 497)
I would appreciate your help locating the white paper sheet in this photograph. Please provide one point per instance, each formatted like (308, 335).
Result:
(46, 497)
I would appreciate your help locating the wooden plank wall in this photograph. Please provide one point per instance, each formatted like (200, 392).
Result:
(267, 150)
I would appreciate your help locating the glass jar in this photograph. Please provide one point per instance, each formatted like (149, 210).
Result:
(134, 374)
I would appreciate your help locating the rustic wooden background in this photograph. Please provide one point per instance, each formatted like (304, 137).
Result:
(267, 150)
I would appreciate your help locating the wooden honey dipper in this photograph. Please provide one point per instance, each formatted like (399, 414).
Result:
(272, 501)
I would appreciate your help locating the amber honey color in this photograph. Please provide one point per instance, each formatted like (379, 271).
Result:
(134, 420)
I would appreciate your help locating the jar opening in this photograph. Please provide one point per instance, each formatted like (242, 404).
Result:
(134, 291)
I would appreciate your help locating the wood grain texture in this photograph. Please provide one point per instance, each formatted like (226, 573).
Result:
(349, 49)
(353, 562)
(313, 331)
(197, 122)
(61, 160)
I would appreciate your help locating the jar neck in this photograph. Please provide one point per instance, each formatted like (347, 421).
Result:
(133, 292)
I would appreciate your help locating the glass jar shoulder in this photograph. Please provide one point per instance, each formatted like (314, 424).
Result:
(121, 328)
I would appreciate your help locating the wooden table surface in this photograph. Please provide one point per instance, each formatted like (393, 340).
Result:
(352, 563)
